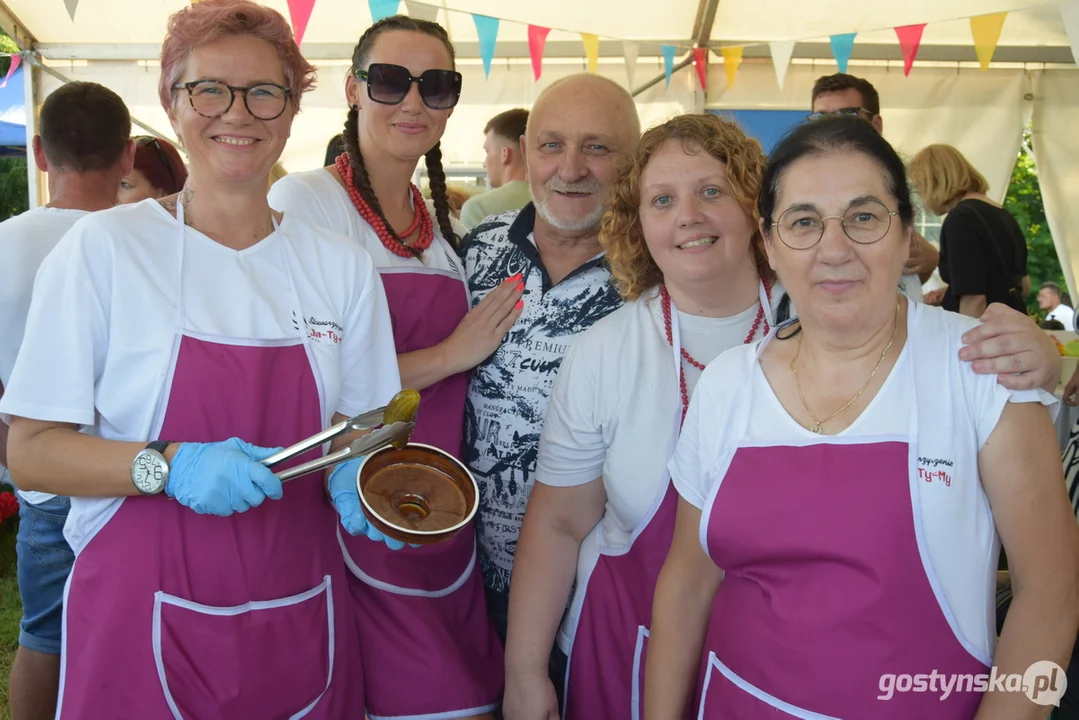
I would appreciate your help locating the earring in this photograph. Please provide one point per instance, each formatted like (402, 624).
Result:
(354, 107)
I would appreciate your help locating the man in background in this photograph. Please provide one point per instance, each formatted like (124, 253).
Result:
(1051, 299)
(85, 148)
(505, 166)
(843, 94)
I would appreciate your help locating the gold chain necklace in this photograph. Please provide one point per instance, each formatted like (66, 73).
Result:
(817, 423)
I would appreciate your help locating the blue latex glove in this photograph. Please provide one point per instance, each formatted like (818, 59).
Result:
(347, 502)
(222, 478)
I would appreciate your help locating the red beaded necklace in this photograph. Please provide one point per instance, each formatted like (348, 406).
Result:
(421, 219)
(666, 304)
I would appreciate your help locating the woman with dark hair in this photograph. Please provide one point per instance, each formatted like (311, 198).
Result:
(843, 483)
(159, 171)
(174, 345)
(401, 91)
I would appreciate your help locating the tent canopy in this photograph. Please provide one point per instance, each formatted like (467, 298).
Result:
(946, 98)
(107, 29)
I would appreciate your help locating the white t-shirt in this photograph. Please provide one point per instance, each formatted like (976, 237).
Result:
(318, 198)
(103, 321)
(1062, 313)
(614, 411)
(958, 536)
(25, 240)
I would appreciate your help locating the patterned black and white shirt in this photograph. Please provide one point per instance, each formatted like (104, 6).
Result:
(508, 392)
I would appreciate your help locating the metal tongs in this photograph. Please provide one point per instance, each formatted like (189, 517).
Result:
(397, 420)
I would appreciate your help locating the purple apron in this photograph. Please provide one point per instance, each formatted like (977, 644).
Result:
(172, 614)
(605, 674)
(825, 586)
(429, 648)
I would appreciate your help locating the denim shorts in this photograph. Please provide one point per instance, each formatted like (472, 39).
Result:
(45, 560)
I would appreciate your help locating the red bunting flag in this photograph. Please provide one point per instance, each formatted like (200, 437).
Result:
(910, 37)
(537, 37)
(700, 60)
(16, 60)
(299, 12)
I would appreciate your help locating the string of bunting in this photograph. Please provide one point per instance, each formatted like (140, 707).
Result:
(985, 32)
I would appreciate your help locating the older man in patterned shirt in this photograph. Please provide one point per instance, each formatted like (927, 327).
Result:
(579, 128)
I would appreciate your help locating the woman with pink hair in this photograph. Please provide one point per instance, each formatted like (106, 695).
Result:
(219, 331)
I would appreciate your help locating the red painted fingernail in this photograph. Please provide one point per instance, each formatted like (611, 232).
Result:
(520, 286)
(515, 277)
(520, 304)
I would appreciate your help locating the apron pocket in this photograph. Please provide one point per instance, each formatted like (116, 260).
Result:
(725, 695)
(265, 659)
(639, 658)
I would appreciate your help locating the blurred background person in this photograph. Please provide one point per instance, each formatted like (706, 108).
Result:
(84, 149)
(1051, 299)
(983, 254)
(159, 171)
(505, 166)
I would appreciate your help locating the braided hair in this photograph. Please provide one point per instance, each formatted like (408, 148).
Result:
(433, 158)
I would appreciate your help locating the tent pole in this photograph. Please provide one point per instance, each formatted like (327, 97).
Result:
(702, 32)
(31, 81)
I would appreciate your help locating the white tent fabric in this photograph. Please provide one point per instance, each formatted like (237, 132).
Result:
(1056, 152)
(982, 113)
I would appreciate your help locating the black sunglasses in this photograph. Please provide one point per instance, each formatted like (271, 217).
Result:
(151, 141)
(389, 85)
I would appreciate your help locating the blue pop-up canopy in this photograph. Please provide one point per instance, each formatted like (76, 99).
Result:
(13, 115)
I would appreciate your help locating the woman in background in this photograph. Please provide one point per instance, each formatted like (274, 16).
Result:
(983, 254)
(159, 171)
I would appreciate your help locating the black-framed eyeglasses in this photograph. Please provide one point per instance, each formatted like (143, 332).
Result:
(151, 141)
(865, 223)
(841, 112)
(213, 98)
(389, 85)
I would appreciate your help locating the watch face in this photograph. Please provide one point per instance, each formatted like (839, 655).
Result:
(149, 472)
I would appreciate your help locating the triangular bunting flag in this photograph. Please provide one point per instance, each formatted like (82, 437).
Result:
(380, 9)
(842, 47)
(668, 62)
(16, 61)
(299, 12)
(781, 59)
(487, 30)
(591, 50)
(630, 52)
(910, 37)
(71, 5)
(421, 11)
(732, 58)
(700, 60)
(537, 38)
(1069, 13)
(986, 32)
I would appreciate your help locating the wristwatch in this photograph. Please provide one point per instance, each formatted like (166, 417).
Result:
(150, 469)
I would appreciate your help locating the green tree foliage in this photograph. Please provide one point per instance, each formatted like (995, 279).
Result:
(1024, 202)
(14, 191)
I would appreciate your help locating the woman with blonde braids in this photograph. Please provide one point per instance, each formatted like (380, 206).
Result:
(421, 610)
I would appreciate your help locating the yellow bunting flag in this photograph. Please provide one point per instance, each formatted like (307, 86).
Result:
(986, 32)
(591, 50)
(732, 58)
